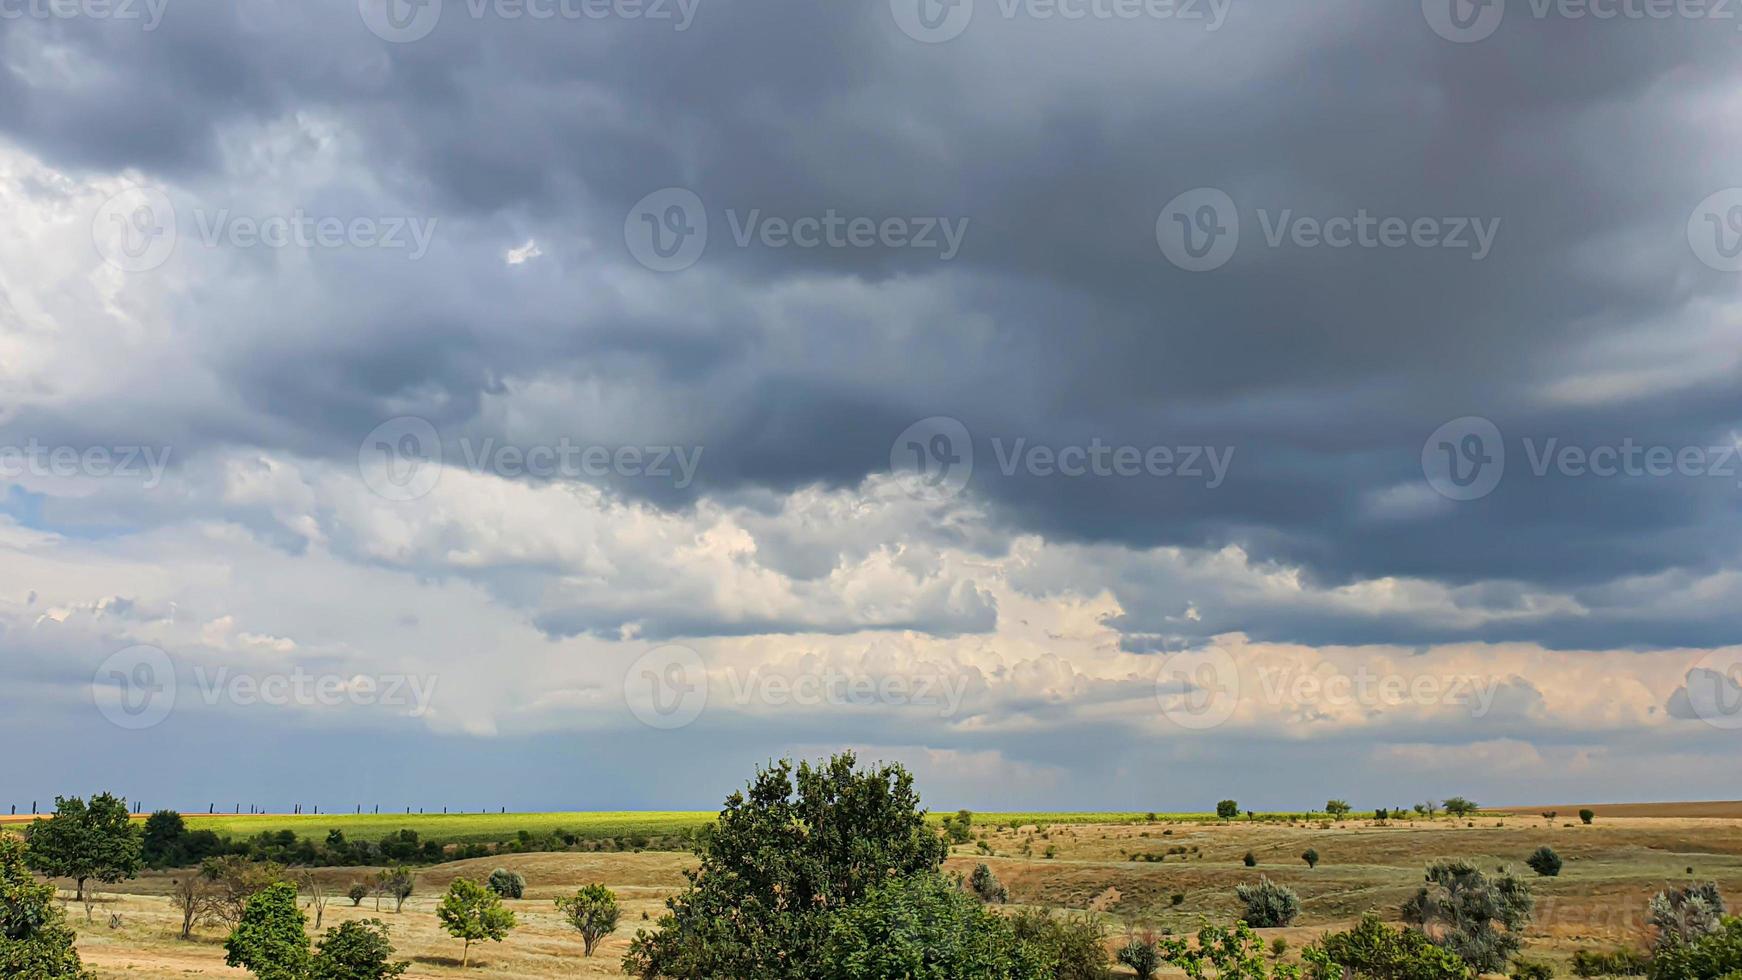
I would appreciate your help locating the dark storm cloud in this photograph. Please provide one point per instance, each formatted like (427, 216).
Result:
(1060, 322)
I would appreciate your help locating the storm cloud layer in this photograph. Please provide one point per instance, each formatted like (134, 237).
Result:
(1028, 346)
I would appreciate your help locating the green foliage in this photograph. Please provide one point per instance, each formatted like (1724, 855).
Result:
(1311, 857)
(1457, 806)
(270, 942)
(1523, 969)
(785, 852)
(1682, 915)
(236, 880)
(35, 942)
(1066, 947)
(920, 927)
(473, 913)
(1472, 915)
(356, 893)
(1141, 954)
(959, 828)
(1715, 955)
(1544, 861)
(397, 884)
(1374, 951)
(1338, 809)
(986, 885)
(507, 883)
(1227, 809)
(1587, 815)
(83, 842)
(1231, 954)
(1621, 962)
(593, 913)
(355, 951)
(1268, 904)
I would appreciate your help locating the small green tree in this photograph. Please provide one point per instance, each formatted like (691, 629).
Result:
(1268, 904)
(1231, 954)
(85, 842)
(1459, 807)
(1227, 809)
(398, 883)
(1475, 916)
(35, 942)
(1311, 857)
(592, 912)
(507, 883)
(473, 913)
(1544, 861)
(1338, 809)
(986, 885)
(270, 941)
(960, 828)
(355, 951)
(356, 893)
(161, 843)
(1587, 815)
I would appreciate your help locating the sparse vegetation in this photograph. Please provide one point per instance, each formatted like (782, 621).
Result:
(1267, 904)
(986, 885)
(1684, 915)
(1474, 916)
(1610, 963)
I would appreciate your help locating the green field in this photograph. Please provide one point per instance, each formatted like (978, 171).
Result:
(485, 828)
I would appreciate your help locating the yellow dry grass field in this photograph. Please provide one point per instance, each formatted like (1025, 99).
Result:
(1128, 873)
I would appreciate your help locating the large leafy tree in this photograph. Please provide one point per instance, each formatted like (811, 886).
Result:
(1473, 915)
(355, 951)
(270, 941)
(35, 943)
(921, 928)
(85, 841)
(785, 853)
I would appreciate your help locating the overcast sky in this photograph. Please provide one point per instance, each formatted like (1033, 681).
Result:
(1088, 403)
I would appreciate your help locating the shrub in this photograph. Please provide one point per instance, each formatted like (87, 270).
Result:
(1063, 947)
(1338, 809)
(1311, 857)
(1141, 956)
(986, 885)
(1477, 917)
(1177, 900)
(1531, 970)
(1250, 860)
(1230, 953)
(1227, 809)
(919, 926)
(1611, 963)
(1587, 815)
(1268, 904)
(1374, 951)
(507, 884)
(355, 951)
(473, 913)
(1712, 956)
(269, 941)
(960, 828)
(592, 912)
(35, 940)
(356, 893)
(1544, 861)
(1682, 915)
(1458, 807)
